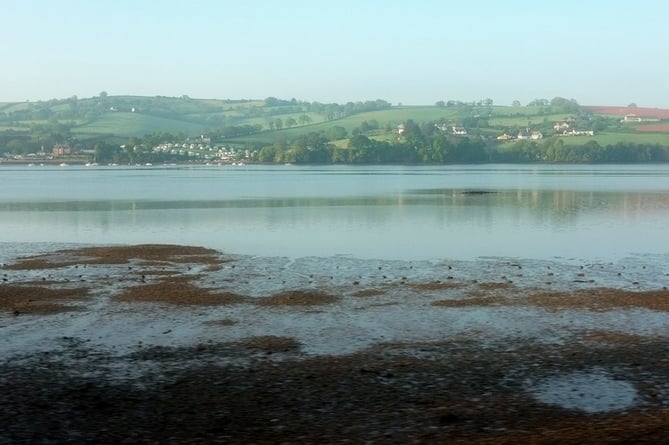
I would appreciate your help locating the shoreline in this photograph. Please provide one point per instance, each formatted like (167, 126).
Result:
(174, 343)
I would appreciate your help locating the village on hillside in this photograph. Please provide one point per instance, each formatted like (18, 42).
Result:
(336, 128)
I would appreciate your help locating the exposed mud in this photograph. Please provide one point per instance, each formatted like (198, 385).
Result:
(178, 291)
(39, 299)
(298, 298)
(174, 344)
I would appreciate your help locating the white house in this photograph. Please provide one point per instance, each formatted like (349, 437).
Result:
(634, 118)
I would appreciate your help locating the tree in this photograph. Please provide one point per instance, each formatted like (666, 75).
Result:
(539, 103)
(268, 154)
(335, 133)
(413, 135)
(104, 152)
(290, 122)
(15, 146)
(367, 126)
(73, 105)
(515, 103)
(278, 123)
(304, 119)
(103, 94)
(440, 104)
(560, 104)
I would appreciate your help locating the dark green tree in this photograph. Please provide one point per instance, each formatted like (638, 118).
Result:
(104, 152)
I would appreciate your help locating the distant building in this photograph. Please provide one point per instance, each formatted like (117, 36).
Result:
(577, 133)
(633, 118)
(61, 150)
(401, 129)
(459, 131)
(525, 135)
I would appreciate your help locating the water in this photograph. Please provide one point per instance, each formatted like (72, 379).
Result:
(318, 227)
(387, 212)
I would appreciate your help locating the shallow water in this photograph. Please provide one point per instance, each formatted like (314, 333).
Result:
(592, 392)
(387, 212)
(400, 313)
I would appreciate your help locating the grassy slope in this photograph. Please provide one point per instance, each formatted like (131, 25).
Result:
(394, 116)
(8, 107)
(526, 120)
(125, 124)
(634, 137)
(134, 124)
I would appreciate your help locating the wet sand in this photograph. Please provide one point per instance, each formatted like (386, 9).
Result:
(177, 344)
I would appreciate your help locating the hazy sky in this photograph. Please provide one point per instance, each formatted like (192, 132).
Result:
(414, 52)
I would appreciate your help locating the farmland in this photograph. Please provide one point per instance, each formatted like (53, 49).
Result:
(653, 128)
(622, 111)
(292, 126)
(125, 125)
(607, 138)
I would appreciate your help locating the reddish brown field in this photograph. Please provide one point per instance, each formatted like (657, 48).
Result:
(653, 128)
(659, 113)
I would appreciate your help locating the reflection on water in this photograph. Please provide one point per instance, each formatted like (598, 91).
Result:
(384, 212)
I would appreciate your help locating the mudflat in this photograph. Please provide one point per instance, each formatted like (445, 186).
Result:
(179, 344)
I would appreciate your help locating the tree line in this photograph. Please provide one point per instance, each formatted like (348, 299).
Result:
(426, 144)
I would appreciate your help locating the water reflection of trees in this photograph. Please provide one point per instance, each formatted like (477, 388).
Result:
(555, 207)
(545, 207)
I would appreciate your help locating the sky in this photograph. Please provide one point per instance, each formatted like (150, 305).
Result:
(598, 52)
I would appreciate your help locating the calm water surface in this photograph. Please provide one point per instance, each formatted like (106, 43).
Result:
(458, 212)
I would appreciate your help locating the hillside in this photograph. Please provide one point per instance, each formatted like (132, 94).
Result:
(128, 124)
(289, 125)
(623, 111)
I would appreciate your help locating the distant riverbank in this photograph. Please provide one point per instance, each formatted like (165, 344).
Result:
(45, 161)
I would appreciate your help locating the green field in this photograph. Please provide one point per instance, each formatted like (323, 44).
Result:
(632, 137)
(393, 116)
(121, 124)
(8, 107)
(525, 120)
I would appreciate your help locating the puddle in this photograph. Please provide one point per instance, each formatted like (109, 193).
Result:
(594, 392)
